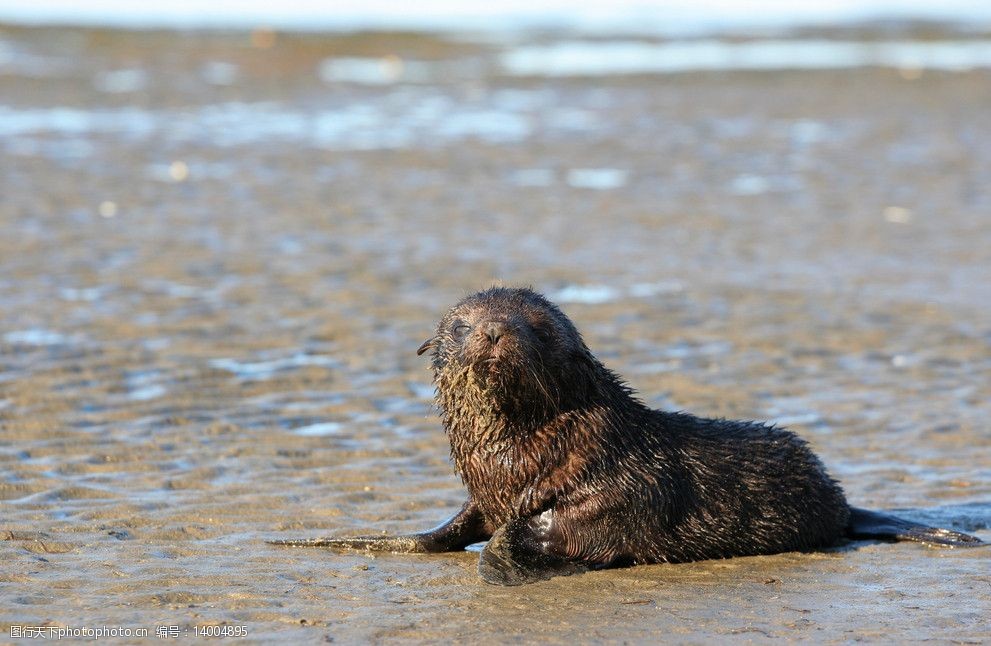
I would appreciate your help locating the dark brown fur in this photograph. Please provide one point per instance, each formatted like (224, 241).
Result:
(567, 470)
(546, 425)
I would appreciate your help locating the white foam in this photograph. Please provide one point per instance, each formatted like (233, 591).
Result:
(603, 58)
(370, 71)
(382, 124)
(749, 185)
(599, 179)
(587, 294)
(122, 81)
(147, 392)
(598, 16)
(319, 430)
(259, 370)
(35, 337)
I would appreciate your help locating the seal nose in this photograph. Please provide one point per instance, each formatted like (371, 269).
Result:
(494, 330)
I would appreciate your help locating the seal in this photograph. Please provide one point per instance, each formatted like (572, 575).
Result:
(567, 471)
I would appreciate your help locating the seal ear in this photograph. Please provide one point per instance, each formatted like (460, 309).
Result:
(427, 345)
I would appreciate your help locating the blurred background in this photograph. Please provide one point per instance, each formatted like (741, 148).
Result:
(225, 227)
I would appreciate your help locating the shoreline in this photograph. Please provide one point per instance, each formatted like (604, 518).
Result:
(209, 312)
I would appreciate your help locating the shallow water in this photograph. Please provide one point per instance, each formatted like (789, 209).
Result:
(216, 267)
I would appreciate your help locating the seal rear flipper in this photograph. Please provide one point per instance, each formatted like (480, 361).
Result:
(513, 557)
(871, 524)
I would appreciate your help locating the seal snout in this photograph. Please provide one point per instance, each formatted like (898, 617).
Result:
(494, 330)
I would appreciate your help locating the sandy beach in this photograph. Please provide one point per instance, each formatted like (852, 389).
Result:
(219, 252)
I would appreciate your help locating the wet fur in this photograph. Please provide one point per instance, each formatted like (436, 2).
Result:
(550, 426)
(567, 470)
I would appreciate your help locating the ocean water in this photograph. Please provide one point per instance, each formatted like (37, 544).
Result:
(547, 39)
(659, 17)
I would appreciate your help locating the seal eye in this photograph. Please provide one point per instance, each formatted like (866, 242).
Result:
(460, 331)
(543, 334)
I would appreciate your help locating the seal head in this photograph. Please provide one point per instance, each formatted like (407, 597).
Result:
(501, 349)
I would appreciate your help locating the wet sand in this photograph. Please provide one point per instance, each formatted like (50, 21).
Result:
(219, 252)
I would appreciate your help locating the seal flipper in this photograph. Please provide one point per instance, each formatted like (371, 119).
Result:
(517, 554)
(871, 524)
(461, 530)
(404, 544)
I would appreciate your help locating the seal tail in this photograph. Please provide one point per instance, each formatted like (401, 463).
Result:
(871, 524)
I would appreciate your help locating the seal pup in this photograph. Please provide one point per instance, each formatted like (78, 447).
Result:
(567, 471)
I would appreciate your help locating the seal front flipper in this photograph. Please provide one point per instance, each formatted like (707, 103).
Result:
(461, 530)
(519, 553)
(871, 524)
(405, 544)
